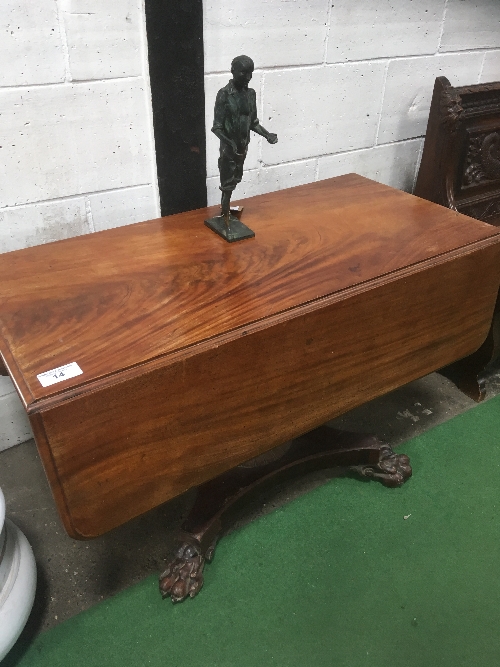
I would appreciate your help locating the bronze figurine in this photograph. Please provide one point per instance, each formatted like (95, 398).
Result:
(235, 114)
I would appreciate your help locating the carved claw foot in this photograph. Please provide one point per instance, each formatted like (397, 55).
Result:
(392, 469)
(184, 574)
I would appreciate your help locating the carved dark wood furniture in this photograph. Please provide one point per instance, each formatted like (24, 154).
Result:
(198, 356)
(460, 169)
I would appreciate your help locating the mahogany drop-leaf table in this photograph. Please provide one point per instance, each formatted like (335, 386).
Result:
(156, 357)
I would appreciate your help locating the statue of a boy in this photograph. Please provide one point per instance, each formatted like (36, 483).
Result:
(235, 115)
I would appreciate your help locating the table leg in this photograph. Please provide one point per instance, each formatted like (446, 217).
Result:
(320, 449)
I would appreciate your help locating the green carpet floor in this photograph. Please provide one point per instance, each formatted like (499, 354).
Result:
(335, 578)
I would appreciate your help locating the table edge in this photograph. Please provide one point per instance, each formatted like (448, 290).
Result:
(34, 406)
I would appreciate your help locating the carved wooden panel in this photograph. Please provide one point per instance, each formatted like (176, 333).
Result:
(482, 162)
(460, 165)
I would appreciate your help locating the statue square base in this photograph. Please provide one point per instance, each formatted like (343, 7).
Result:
(236, 231)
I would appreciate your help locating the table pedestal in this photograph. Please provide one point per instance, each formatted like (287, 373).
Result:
(321, 449)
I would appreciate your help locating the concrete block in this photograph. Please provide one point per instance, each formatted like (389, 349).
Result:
(31, 49)
(104, 38)
(64, 140)
(383, 29)
(33, 224)
(471, 25)
(491, 67)
(272, 32)
(392, 164)
(266, 179)
(408, 91)
(213, 83)
(123, 207)
(14, 424)
(321, 110)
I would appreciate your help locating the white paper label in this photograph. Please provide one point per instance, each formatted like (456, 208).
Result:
(59, 374)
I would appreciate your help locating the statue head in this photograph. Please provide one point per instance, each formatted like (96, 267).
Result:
(242, 69)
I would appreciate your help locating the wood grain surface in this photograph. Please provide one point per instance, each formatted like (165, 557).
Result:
(199, 355)
(117, 299)
(127, 448)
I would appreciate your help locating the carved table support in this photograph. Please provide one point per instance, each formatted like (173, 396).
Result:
(467, 373)
(320, 449)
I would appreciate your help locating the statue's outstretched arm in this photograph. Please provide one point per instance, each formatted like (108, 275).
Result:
(258, 129)
(270, 136)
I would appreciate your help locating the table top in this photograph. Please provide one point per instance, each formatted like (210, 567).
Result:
(120, 299)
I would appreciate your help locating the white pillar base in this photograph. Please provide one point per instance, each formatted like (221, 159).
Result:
(17, 581)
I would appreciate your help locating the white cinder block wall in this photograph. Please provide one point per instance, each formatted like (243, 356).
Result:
(76, 133)
(76, 140)
(345, 84)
